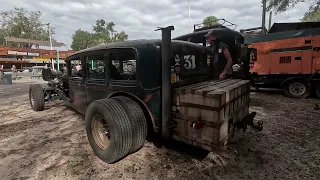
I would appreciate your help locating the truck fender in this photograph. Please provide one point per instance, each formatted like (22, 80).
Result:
(141, 103)
(293, 78)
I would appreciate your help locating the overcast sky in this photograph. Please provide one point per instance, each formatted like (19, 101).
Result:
(139, 18)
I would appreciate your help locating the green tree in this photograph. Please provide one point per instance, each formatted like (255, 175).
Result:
(81, 40)
(21, 23)
(103, 32)
(2, 35)
(313, 15)
(283, 5)
(210, 21)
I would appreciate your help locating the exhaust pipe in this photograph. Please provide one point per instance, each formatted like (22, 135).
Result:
(166, 81)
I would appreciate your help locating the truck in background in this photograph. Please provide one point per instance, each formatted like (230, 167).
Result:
(288, 57)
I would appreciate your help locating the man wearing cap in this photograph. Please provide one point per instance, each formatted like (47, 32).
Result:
(220, 58)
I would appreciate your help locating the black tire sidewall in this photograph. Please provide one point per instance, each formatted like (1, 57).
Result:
(137, 119)
(30, 93)
(95, 108)
(37, 92)
(304, 95)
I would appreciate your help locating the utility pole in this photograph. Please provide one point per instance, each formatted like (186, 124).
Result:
(50, 40)
(264, 9)
(189, 14)
(270, 18)
(50, 36)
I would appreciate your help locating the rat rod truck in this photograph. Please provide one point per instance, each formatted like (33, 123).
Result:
(132, 90)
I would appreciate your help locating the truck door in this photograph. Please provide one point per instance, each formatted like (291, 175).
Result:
(76, 84)
(96, 85)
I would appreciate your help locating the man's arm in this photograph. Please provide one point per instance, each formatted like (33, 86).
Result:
(227, 55)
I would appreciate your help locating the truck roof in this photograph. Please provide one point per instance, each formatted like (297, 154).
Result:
(281, 27)
(142, 43)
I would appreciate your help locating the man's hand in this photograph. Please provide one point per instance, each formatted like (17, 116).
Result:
(222, 76)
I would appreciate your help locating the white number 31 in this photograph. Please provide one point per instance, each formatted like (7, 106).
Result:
(190, 62)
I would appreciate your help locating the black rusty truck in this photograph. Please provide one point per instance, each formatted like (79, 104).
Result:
(132, 90)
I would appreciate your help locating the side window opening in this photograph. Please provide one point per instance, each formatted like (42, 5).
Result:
(76, 68)
(95, 66)
(123, 65)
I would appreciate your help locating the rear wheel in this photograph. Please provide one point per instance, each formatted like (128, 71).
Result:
(138, 122)
(36, 97)
(108, 130)
(297, 89)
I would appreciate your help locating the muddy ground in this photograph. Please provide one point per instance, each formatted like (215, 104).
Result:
(52, 145)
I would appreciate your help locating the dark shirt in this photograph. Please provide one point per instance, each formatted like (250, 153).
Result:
(217, 59)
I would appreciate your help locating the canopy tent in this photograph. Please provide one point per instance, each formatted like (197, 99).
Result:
(40, 43)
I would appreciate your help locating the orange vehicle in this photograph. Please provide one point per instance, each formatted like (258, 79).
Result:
(288, 57)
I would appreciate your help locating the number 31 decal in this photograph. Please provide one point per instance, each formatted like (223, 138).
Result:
(190, 62)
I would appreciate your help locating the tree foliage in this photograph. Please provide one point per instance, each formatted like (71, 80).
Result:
(21, 23)
(81, 39)
(311, 16)
(103, 32)
(283, 5)
(210, 21)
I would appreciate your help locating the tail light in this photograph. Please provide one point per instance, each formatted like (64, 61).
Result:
(196, 125)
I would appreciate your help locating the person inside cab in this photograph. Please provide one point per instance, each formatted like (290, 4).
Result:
(220, 58)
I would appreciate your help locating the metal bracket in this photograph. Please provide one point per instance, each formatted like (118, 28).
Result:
(170, 28)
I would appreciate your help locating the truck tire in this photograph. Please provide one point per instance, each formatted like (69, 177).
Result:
(297, 88)
(36, 97)
(108, 130)
(138, 122)
(318, 90)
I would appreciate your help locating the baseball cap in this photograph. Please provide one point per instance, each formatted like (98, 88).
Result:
(210, 33)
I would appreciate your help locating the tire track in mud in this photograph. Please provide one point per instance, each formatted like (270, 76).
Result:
(36, 142)
(48, 132)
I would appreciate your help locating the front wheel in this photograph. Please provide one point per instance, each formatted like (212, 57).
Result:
(36, 97)
(297, 89)
(108, 130)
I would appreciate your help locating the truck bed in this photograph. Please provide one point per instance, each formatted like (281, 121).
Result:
(213, 104)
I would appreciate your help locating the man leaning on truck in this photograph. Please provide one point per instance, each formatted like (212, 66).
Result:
(220, 58)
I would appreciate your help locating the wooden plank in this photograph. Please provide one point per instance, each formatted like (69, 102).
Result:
(198, 101)
(191, 90)
(210, 113)
(228, 92)
(222, 100)
(215, 87)
(197, 85)
(215, 125)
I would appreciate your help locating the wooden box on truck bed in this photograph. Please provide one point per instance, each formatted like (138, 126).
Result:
(212, 105)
